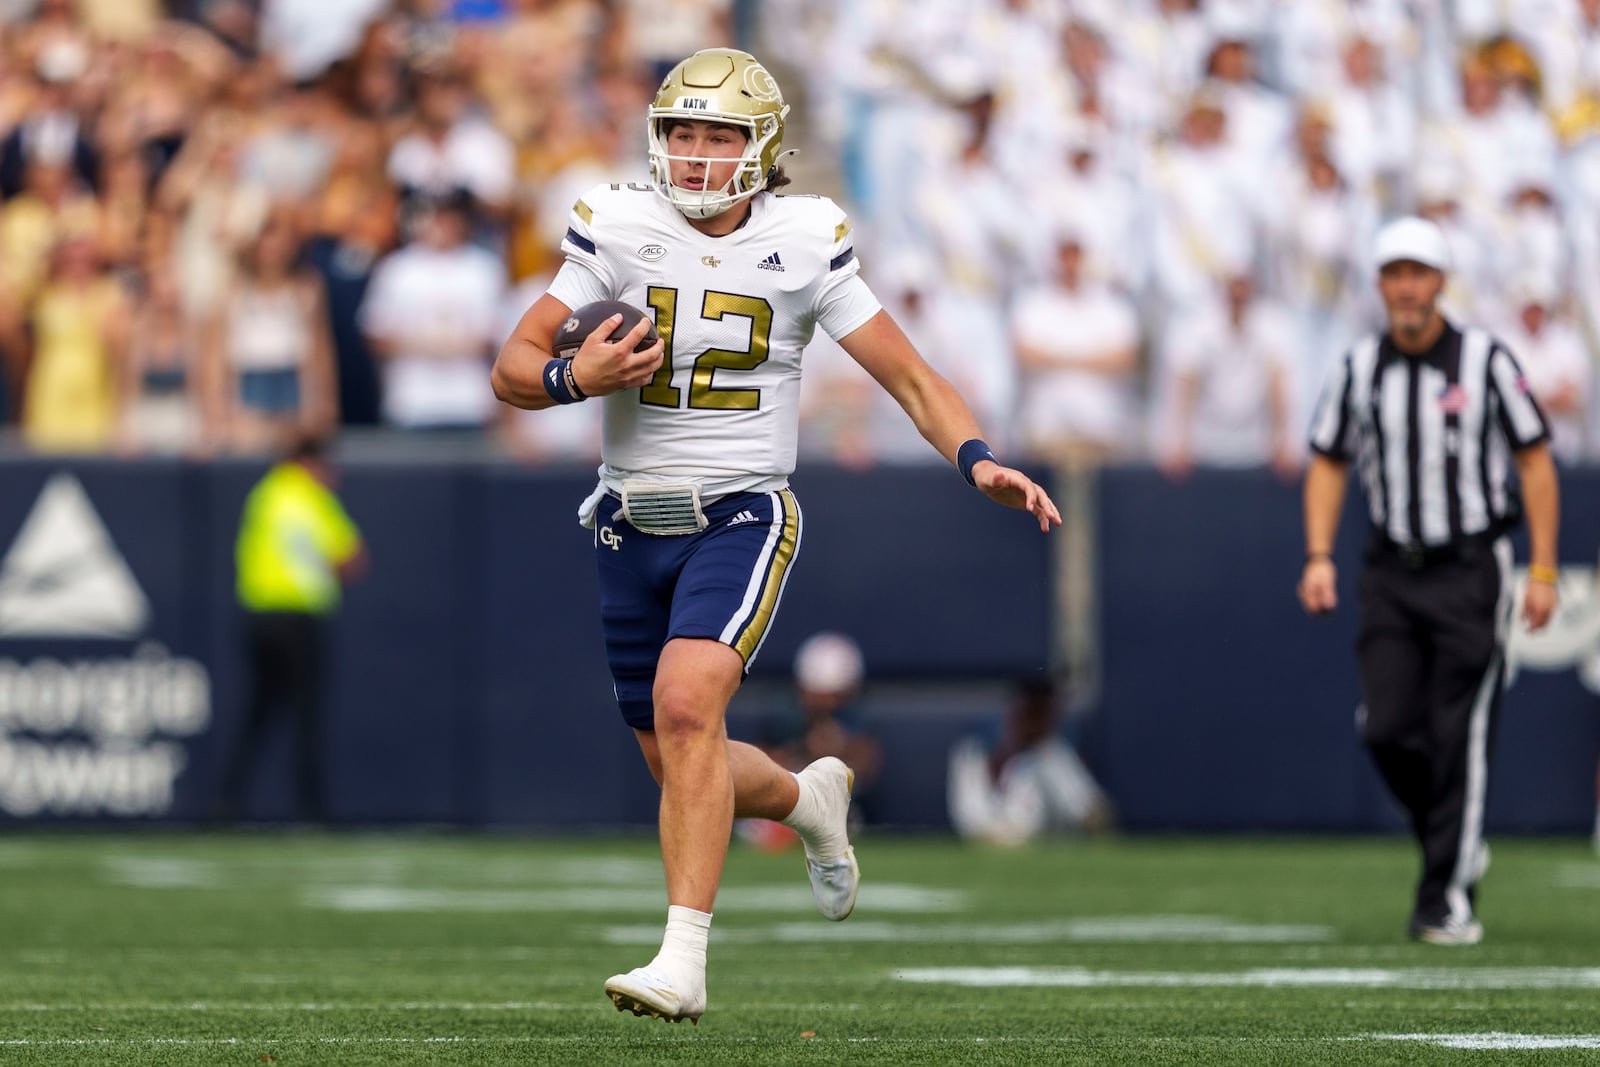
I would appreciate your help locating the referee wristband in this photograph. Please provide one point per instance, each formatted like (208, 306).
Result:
(969, 455)
(559, 383)
(1547, 575)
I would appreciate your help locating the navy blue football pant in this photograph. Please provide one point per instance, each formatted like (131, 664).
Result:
(723, 583)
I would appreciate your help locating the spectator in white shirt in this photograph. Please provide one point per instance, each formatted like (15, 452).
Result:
(1473, 286)
(292, 147)
(1101, 206)
(305, 36)
(1228, 387)
(1024, 779)
(1321, 232)
(1533, 238)
(1202, 223)
(1494, 137)
(1554, 360)
(1077, 345)
(1569, 55)
(1374, 125)
(453, 148)
(1084, 192)
(1166, 48)
(433, 315)
(1258, 117)
(967, 210)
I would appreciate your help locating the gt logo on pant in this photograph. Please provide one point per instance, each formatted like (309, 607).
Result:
(610, 539)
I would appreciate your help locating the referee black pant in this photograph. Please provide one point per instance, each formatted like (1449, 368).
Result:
(1431, 670)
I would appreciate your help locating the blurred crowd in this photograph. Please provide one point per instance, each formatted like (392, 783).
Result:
(1141, 229)
(225, 223)
(1130, 230)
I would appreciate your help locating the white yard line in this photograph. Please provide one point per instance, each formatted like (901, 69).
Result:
(1157, 929)
(48, 1042)
(1495, 1040)
(882, 897)
(241, 1006)
(1263, 977)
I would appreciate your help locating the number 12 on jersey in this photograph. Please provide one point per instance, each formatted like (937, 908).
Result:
(660, 392)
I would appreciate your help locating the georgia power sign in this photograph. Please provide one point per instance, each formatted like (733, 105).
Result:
(92, 735)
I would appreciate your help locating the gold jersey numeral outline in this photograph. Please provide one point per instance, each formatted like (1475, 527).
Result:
(704, 394)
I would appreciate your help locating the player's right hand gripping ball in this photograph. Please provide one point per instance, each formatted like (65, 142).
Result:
(585, 320)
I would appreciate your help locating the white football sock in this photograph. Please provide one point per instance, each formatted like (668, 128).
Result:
(683, 949)
(823, 844)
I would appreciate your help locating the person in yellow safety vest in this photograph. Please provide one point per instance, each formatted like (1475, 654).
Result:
(296, 550)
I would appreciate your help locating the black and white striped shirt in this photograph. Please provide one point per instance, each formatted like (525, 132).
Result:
(1433, 432)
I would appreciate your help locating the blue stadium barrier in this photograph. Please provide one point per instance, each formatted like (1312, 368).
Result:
(470, 687)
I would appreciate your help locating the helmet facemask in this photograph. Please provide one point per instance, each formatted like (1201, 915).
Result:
(748, 177)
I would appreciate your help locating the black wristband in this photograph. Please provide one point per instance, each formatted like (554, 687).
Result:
(1318, 557)
(969, 455)
(557, 378)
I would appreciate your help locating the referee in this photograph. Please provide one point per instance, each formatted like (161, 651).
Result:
(1436, 415)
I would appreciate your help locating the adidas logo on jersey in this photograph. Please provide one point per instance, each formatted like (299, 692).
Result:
(747, 515)
(772, 262)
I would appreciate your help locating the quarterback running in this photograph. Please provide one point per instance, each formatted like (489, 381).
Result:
(695, 526)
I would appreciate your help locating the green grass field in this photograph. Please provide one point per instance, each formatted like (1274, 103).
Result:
(174, 949)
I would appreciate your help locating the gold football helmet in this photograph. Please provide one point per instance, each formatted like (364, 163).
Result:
(719, 85)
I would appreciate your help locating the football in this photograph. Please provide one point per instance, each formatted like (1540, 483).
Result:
(585, 320)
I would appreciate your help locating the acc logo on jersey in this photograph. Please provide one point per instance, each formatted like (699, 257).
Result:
(652, 252)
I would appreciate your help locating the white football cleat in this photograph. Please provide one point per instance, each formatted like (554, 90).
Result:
(1450, 931)
(646, 992)
(833, 883)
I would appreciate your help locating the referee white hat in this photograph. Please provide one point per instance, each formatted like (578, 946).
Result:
(1415, 239)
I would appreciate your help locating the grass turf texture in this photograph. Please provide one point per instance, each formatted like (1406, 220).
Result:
(172, 949)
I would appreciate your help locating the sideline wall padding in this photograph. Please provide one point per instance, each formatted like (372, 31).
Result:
(470, 685)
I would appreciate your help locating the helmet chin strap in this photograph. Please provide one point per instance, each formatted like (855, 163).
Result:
(697, 205)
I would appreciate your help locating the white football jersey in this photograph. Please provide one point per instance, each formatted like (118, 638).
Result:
(736, 312)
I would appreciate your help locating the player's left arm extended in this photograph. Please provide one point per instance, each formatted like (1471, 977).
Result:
(938, 412)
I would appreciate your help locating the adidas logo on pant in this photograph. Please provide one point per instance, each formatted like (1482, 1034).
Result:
(743, 516)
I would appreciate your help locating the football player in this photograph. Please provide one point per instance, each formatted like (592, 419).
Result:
(695, 526)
